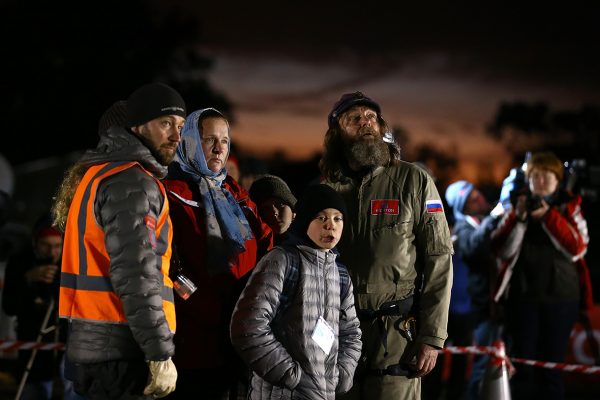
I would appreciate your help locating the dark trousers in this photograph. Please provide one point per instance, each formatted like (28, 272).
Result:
(539, 331)
(122, 380)
(433, 386)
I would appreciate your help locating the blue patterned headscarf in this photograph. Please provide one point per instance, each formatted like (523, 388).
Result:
(226, 225)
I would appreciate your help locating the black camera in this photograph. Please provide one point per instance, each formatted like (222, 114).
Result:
(519, 187)
(533, 202)
(514, 185)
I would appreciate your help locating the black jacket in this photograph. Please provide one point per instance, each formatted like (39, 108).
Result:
(473, 245)
(29, 303)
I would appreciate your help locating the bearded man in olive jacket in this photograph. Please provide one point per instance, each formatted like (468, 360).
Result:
(397, 249)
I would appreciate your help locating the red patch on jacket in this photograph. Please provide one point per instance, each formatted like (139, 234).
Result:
(385, 207)
(150, 222)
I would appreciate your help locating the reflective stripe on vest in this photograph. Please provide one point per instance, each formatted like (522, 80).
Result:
(85, 289)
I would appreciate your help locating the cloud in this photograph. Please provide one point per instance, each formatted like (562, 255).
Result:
(539, 43)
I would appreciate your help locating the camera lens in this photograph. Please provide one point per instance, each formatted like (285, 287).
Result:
(533, 202)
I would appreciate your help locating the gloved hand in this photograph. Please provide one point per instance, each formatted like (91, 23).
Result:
(161, 379)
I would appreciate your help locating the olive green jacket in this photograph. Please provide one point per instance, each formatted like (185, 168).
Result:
(395, 236)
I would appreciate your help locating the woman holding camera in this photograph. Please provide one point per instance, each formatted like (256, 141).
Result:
(541, 242)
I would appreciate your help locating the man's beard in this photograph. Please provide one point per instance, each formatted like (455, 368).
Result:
(366, 153)
(163, 155)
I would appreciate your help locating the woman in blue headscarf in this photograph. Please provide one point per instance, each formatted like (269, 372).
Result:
(217, 239)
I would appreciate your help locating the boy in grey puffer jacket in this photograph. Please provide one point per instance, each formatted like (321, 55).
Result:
(310, 349)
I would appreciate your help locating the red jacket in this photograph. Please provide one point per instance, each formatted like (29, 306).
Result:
(202, 338)
(566, 228)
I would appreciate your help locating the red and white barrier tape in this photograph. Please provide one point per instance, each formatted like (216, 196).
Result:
(584, 369)
(488, 350)
(496, 353)
(10, 345)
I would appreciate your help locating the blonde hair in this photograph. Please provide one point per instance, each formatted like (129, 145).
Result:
(64, 196)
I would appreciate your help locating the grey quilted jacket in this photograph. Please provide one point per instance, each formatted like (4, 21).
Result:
(286, 362)
(122, 201)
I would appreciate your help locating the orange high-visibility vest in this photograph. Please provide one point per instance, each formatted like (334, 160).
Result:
(85, 289)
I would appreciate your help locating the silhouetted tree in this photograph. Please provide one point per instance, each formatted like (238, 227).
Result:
(570, 134)
(441, 164)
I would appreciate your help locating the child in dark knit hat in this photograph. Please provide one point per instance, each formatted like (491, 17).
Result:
(275, 203)
(304, 340)
(312, 207)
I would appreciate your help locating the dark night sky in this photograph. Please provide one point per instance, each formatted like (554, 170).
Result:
(439, 70)
(529, 42)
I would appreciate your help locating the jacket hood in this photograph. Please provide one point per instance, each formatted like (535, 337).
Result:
(118, 144)
(189, 156)
(456, 197)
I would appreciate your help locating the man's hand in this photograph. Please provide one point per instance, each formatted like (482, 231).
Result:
(539, 213)
(41, 273)
(161, 379)
(426, 360)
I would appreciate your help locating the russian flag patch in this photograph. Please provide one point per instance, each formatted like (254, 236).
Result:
(434, 206)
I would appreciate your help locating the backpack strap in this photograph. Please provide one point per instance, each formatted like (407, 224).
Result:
(344, 280)
(290, 279)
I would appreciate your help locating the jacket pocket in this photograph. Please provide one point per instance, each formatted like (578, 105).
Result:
(393, 226)
(438, 237)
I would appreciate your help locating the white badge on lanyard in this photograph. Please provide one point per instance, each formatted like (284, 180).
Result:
(323, 335)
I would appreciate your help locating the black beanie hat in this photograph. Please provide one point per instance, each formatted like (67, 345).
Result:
(151, 101)
(271, 186)
(315, 198)
(115, 115)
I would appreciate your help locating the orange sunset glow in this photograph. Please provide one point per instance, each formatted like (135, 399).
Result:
(282, 106)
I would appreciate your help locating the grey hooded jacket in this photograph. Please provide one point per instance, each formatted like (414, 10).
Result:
(122, 201)
(286, 362)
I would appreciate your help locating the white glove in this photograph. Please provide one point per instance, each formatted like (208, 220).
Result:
(162, 378)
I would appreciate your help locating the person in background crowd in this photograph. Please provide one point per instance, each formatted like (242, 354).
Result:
(473, 225)
(398, 250)
(541, 242)
(115, 288)
(30, 292)
(14, 238)
(307, 347)
(218, 238)
(275, 203)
